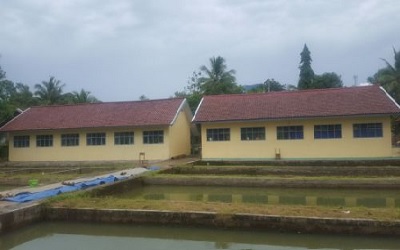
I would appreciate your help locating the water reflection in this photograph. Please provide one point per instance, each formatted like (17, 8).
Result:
(284, 196)
(69, 236)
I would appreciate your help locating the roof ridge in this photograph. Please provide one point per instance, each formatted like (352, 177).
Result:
(104, 103)
(293, 91)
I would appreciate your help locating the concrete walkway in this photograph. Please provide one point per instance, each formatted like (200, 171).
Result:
(6, 205)
(130, 173)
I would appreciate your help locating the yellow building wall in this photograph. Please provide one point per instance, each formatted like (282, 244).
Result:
(346, 147)
(83, 152)
(179, 134)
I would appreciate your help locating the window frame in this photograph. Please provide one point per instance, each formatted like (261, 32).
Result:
(153, 137)
(327, 131)
(124, 138)
(96, 139)
(368, 130)
(252, 133)
(21, 141)
(292, 132)
(44, 141)
(218, 134)
(70, 140)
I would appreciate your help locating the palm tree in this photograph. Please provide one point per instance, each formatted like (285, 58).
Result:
(50, 92)
(83, 97)
(217, 79)
(389, 77)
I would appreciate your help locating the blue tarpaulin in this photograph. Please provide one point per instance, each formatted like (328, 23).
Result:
(28, 196)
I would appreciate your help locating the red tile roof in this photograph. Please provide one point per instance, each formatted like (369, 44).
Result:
(97, 115)
(351, 101)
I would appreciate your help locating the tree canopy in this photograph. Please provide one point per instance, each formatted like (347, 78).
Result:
(83, 96)
(50, 92)
(269, 85)
(389, 77)
(217, 79)
(212, 80)
(327, 80)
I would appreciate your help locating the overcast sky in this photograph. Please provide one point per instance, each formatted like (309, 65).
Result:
(122, 49)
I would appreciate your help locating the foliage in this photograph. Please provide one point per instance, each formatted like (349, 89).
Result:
(389, 77)
(215, 80)
(13, 96)
(143, 98)
(50, 92)
(327, 80)
(309, 80)
(306, 72)
(268, 86)
(192, 91)
(83, 96)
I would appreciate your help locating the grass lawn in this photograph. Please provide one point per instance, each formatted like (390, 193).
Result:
(83, 200)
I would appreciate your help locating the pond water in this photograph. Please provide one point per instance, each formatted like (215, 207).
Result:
(284, 196)
(67, 236)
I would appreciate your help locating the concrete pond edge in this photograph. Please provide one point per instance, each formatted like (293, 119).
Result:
(34, 213)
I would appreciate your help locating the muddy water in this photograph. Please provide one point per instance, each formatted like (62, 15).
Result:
(70, 236)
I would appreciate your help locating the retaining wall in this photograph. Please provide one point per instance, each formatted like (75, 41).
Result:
(34, 213)
(234, 221)
(20, 217)
(249, 170)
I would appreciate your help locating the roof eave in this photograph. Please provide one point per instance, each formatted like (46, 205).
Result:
(185, 107)
(2, 130)
(87, 128)
(390, 97)
(197, 109)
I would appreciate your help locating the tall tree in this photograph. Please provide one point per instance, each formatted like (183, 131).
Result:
(217, 79)
(389, 77)
(50, 92)
(306, 72)
(209, 81)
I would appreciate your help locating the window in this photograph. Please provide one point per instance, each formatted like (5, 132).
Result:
(290, 133)
(327, 131)
(153, 137)
(367, 130)
(44, 141)
(218, 134)
(68, 140)
(95, 139)
(123, 138)
(250, 134)
(21, 141)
